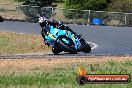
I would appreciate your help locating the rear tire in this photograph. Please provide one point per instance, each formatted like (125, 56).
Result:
(86, 48)
(1, 19)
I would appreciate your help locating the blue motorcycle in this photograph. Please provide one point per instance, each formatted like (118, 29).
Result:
(64, 40)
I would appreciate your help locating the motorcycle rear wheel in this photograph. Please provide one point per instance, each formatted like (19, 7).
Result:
(86, 48)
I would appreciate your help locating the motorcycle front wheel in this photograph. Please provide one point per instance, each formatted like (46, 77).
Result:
(56, 49)
(67, 47)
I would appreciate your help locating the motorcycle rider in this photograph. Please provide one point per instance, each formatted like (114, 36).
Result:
(44, 23)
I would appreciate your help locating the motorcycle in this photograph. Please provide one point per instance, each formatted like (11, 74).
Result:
(64, 40)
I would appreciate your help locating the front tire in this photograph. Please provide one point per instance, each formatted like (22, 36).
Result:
(55, 50)
(1, 19)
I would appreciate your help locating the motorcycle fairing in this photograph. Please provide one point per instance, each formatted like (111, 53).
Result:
(54, 33)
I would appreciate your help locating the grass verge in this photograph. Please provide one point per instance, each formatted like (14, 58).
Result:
(13, 43)
(56, 73)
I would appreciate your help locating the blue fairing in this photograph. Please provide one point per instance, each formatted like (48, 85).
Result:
(49, 40)
(57, 32)
(54, 31)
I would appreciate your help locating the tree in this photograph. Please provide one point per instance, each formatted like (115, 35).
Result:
(84, 5)
(121, 6)
(87, 4)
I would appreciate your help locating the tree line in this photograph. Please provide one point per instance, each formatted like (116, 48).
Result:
(104, 5)
(98, 5)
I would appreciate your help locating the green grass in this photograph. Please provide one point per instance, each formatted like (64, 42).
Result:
(4, 41)
(13, 43)
(65, 76)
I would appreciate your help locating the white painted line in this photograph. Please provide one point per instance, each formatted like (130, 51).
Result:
(94, 45)
(26, 34)
(21, 33)
(36, 53)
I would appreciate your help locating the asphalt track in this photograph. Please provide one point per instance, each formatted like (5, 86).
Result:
(106, 40)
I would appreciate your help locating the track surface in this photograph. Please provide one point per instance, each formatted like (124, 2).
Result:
(110, 40)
